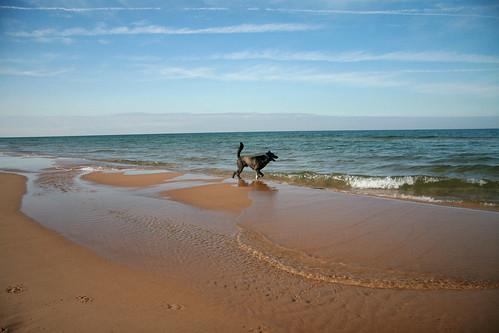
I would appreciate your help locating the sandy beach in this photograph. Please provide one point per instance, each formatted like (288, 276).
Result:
(50, 284)
(249, 166)
(165, 252)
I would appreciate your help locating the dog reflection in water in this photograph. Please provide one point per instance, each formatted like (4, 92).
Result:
(256, 185)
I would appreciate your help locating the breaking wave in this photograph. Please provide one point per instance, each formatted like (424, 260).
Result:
(417, 187)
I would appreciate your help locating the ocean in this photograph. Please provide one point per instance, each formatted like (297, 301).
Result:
(441, 166)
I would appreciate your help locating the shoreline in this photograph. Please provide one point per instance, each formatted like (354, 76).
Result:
(370, 192)
(171, 170)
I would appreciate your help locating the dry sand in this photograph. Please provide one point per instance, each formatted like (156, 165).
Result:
(50, 284)
(124, 180)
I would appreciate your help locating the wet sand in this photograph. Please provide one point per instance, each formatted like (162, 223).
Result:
(218, 197)
(126, 180)
(280, 258)
(50, 284)
(358, 240)
(377, 242)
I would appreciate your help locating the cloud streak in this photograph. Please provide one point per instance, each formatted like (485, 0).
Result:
(89, 9)
(359, 56)
(206, 8)
(393, 12)
(149, 123)
(485, 90)
(261, 73)
(441, 11)
(33, 72)
(163, 30)
(375, 79)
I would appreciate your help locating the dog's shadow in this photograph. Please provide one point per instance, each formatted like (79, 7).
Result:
(257, 185)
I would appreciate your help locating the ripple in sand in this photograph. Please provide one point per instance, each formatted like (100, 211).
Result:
(310, 268)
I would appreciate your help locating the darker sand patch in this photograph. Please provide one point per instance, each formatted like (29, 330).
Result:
(124, 180)
(174, 307)
(84, 299)
(219, 197)
(17, 289)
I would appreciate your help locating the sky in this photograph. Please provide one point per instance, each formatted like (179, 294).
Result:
(220, 60)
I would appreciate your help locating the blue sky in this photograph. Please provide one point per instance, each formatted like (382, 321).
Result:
(329, 58)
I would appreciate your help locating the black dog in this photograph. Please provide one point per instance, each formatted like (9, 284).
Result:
(256, 163)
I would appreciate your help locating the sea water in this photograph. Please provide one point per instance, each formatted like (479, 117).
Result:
(455, 166)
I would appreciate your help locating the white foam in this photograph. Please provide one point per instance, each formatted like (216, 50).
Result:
(386, 183)
(480, 182)
(89, 169)
(420, 198)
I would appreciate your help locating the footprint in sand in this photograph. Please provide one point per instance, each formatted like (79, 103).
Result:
(16, 289)
(259, 329)
(174, 307)
(84, 299)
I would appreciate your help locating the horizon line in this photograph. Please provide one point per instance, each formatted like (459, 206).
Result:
(261, 131)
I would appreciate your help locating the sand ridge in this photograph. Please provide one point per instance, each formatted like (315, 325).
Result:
(219, 197)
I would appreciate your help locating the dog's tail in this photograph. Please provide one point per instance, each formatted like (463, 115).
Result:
(241, 146)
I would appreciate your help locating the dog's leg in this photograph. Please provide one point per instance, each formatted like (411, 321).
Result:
(239, 170)
(240, 167)
(260, 173)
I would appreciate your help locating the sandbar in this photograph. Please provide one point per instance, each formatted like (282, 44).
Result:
(136, 180)
(219, 197)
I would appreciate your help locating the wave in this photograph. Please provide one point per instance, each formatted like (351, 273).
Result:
(417, 187)
(345, 181)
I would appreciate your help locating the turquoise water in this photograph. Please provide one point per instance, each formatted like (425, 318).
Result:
(431, 165)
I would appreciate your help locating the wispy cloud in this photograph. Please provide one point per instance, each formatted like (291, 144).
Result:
(376, 79)
(206, 8)
(63, 40)
(439, 10)
(162, 30)
(79, 9)
(264, 73)
(187, 73)
(359, 56)
(398, 12)
(103, 9)
(481, 89)
(33, 72)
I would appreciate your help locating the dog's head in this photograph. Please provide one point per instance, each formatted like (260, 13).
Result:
(272, 156)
